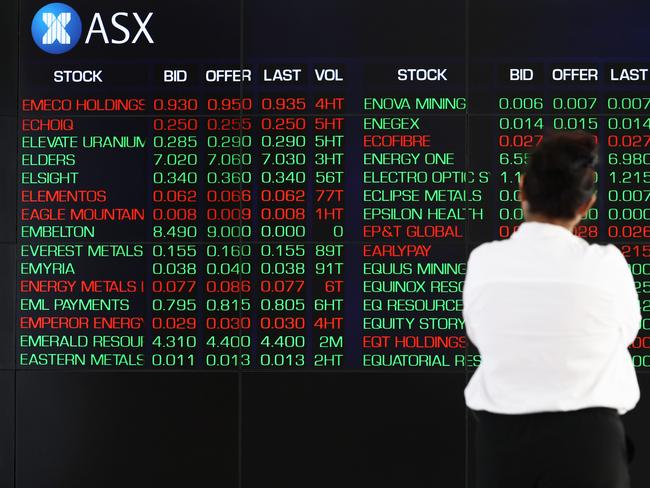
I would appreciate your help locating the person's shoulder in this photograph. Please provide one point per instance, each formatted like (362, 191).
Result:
(607, 252)
(606, 257)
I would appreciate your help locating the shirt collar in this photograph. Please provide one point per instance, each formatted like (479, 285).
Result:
(541, 230)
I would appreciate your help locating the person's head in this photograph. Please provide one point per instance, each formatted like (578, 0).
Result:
(558, 184)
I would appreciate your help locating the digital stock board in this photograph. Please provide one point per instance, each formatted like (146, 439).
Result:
(234, 233)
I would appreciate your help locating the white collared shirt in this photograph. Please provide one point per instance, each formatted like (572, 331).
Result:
(552, 316)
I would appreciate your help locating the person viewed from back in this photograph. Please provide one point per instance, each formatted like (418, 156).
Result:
(552, 317)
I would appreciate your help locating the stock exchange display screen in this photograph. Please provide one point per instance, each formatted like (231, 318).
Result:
(192, 196)
(246, 187)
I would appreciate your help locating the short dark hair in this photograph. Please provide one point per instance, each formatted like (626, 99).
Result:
(559, 176)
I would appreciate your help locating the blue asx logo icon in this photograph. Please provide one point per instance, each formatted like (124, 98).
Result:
(56, 28)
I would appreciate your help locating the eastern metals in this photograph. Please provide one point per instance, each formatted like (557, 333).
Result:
(70, 359)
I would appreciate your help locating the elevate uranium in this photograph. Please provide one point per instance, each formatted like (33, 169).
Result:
(74, 142)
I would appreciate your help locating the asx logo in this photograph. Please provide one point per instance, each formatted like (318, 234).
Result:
(56, 28)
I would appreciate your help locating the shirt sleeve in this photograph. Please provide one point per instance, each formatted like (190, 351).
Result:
(630, 310)
(467, 296)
